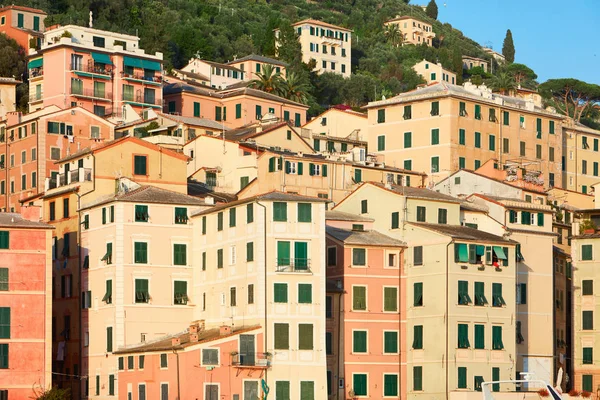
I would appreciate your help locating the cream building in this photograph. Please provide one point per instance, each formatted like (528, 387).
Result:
(497, 56)
(8, 96)
(253, 64)
(581, 156)
(414, 31)
(213, 74)
(433, 72)
(443, 128)
(460, 302)
(330, 46)
(261, 261)
(472, 62)
(337, 130)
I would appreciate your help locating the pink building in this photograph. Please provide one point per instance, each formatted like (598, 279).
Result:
(25, 304)
(24, 24)
(365, 336)
(98, 70)
(204, 364)
(235, 107)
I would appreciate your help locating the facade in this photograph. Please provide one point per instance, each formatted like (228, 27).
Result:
(253, 64)
(271, 134)
(330, 46)
(31, 144)
(23, 24)
(433, 72)
(338, 129)
(413, 31)
(497, 56)
(136, 278)
(25, 304)
(473, 62)
(214, 364)
(276, 279)
(581, 157)
(563, 316)
(460, 303)
(8, 96)
(98, 70)
(245, 105)
(465, 126)
(217, 75)
(368, 266)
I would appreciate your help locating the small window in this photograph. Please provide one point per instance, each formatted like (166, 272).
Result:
(210, 356)
(332, 256)
(141, 213)
(140, 165)
(359, 257)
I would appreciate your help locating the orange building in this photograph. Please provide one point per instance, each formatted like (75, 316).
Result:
(23, 24)
(244, 105)
(25, 304)
(98, 70)
(31, 144)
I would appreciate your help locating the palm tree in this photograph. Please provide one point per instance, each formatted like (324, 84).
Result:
(292, 88)
(503, 83)
(269, 80)
(393, 35)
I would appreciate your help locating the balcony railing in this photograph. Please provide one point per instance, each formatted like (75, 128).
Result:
(36, 72)
(142, 99)
(97, 69)
(141, 77)
(293, 265)
(258, 361)
(76, 175)
(97, 94)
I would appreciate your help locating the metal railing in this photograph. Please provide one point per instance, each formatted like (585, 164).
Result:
(35, 72)
(91, 93)
(36, 97)
(293, 265)
(251, 360)
(99, 69)
(142, 77)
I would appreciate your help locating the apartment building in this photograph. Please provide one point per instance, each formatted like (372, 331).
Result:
(460, 303)
(368, 267)
(473, 62)
(464, 127)
(8, 96)
(224, 365)
(274, 133)
(253, 64)
(276, 280)
(136, 277)
(563, 315)
(433, 72)
(339, 129)
(213, 74)
(330, 46)
(581, 157)
(31, 144)
(245, 105)
(23, 24)
(25, 303)
(495, 55)
(98, 70)
(414, 31)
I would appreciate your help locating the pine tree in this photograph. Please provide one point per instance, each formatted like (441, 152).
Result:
(432, 10)
(508, 47)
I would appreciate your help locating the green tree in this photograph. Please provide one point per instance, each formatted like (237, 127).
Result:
(55, 393)
(393, 35)
(570, 96)
(503, 83)
(268, 80)
(508, 47)
(289, 49)
(432, 10)
(457, 64)
(292, 88)
(523, 75)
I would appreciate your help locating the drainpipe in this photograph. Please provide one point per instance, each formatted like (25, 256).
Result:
(178, 385)
(265, 329)
(447, 318)
(339, 335)
(500, 142)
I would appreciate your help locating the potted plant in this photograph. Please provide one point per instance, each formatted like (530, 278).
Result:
(574, 393)
(559, 216)
(587, 226)
(543, 392)
(586, 395)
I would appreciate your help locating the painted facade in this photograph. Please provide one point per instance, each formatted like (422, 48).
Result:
(8, 96)
(413, 31)
(433, 72)
(337, 130)
(23, 24)
(581, 157)
(217, 75)
(473, 62)
(253, 64)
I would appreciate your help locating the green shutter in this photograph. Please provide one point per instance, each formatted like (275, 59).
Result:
(3, 279)
(390, 296)
(395, 220)
(417, 378)
(300, 255)
(280, 293)
(587, 383)
(462, 137)
(435, 136)
(359, 257)
(238, 111)
(109, 339)
(587, 318)
(279, 211)
(250, 251)
(4, 322)
(141, 252)
(380, 143)
(220, 221)
(480, 336)
(381, 116)
(196, 109)
(282, 336)
(232, 217)
(359, 298)
(417, 337)
(304, 212)
(305, 337)
(304, 293)
(179, 254)
(249, 213)
(307, 390)
(497, 338)
(463, 336)
(496, 377)
(204, 225)
(407, 140)
(390, 340)
(359, 384)
(418, 294)
(4, 239)
(283, 253)
(462, 377)
(390, 385)
(220, 258)
(359, 341)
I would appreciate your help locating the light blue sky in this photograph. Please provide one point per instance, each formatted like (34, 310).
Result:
(556, 38)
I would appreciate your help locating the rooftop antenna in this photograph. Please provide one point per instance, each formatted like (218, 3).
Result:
(91, 19)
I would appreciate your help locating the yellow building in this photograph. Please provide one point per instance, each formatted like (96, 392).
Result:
(261, 261)
(337, 130)
(443, 128)
(460, 302)
(473, 62)
(330, 46)
(581, 156)
(433, 72)
(414, 31)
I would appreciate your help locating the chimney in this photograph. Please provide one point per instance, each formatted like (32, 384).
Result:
(201, 325)
(193, 338)
(209, 200)
(175, 342)
(193, 329)
(225, 330)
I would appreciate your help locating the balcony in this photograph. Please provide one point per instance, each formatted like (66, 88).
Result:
(331, 40)
(142, 100)
(36, 97)
(252, 361)
(91, 94)
(76, 175)
(92, 70)
(147, 79)
(297, 265)
(36, 73)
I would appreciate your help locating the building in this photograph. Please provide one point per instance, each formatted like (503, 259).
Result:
(25, 303)
(330, 46)
(495, 55)
(367, 266)
(459, 297)
(31, 144)
(276, 280)
(245, 105)
(280, 134)
(98, 70)
(338, 129)
(433, 72)
(414, 31)
(473, 62)
(212, 74)
(581, 157)
(253, 64)
(137, 277)
(223, 365)
(563, 316)
(8, 96)
(465, 126)
(23, 24)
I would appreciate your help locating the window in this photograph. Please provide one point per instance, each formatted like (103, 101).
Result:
(587, 383)
(395, 220)
(142, 294)
(4, 239)
(505, 118)
(435, 136)
(109, 339)
(381, 143)
(359, 384)
(180, 292)
(480, 336)
(381, 116)
(305, 337)
(588, 355)
(418, 255)
(210, 357)
(164, 362)
(140, 165)
(586, 252)
(359, 257)
(390, 342)
(304, 293)
(307, 390)
(3, 279)
(407, 140)
(359, 341)
(279, 211)
(359, 298)
(551, 127)
(4, 322)
(497, 338)
(417, 337)
(304, 212)
(417, 378)
(364, 207)
(587, 287)
(477, 111)
(492, 142)
(331, 256)
(497, 299)
(282, 336)
(463, 293)
(521, 293)
(538, 151)
(390, 299)
(435, 108)
(407, 166)
(480, 299)
(280, 292)
(442, 216)
(421, 214)
(462, 137)
(463, 336)
(220, 258)
(141, 213)
(587, 320)
(435, 164)
(357, 175)
(108, 294)
(140, 252)
(249, 251)
(418, 294)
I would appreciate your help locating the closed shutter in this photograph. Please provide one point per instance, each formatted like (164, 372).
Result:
(480, 336)
(359, 257)
(407, 140)
(282, 336)
(282, 390)
(164, 391)
(496, 377)
(417, 378)
(462, 377)
(418, 294)
(305, 334)
(280, 293)
(390, 385)
(4, 239)
(109, 339)
(417, 337)
(380, 143)
(390, 342)
(390, 296)
(359, 341)
(463, 336)
(307, 390)
(4, 322)
(395, 220)
(304, 293)
(435, 136)
(196, 109)
(141, 253)
(497, 338)
(359, 298)
(283, 253)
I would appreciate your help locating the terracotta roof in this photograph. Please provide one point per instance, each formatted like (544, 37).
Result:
(363, 238)
(532, 232)
(517, 203)
(204, 122)
(465, 205)
(270, 196)
(202, 191)
(22, 8)
(586, 236)
(244, 133)
(55, 193)
(462, 232)
(321, 23)
(403, 17)
(194, 75)
(418, 193)
(16, 220)
(255, 57)
(166, 343)
(220, 65)
(9, 80)
(344, 216)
